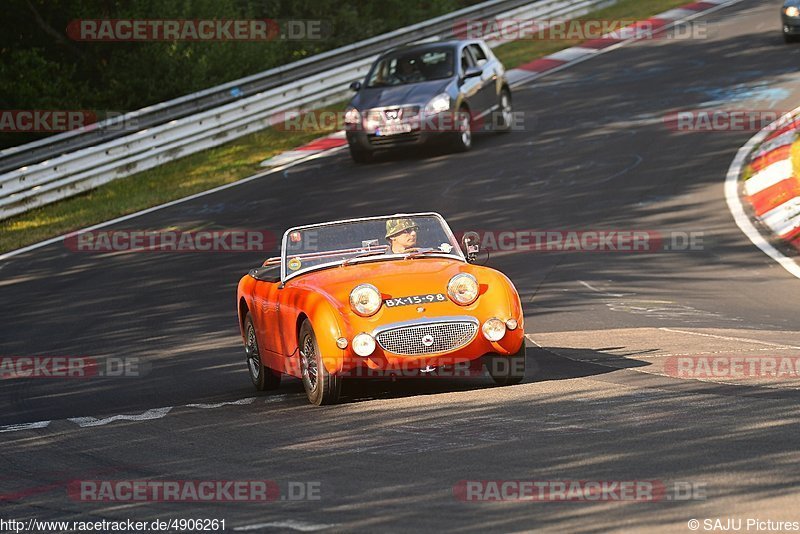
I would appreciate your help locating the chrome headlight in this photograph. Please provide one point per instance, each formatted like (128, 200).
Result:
(792, 11)
(437, 104)
(463, 289)
(365, 300)
(352, 116)
(494, 329)
(363, 344)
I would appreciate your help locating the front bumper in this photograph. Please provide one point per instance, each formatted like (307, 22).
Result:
(364, 141)
(791, 25)
(467, 348)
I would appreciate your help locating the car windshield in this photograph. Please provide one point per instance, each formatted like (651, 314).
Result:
(330, 244)
(404, 67)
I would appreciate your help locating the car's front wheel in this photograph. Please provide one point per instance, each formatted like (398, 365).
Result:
(506, 114)
(321, 386)
(262, 376)
(507, 370)
(462, 141)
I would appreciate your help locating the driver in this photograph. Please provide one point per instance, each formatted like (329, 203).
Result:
(408, 72)
(401, 235)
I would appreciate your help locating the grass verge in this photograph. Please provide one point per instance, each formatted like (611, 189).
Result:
(238, 159)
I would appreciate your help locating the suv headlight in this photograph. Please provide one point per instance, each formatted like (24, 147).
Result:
(792, 11)
(365, 300)
(463, 289)
(352, 116)
(437, 104)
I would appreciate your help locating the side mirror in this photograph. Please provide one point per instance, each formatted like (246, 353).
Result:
(473, 72)
(355, 86)
(472, 245)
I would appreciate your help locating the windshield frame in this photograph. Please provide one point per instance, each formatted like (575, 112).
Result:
(456, 254)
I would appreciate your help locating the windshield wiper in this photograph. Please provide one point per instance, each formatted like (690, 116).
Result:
(363, 255)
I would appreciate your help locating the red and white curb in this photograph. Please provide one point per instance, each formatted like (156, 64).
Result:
(773, 190)
(554, 62)
(316, 146)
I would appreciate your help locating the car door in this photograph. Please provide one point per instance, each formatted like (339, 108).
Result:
(487, 96)
(470, 88)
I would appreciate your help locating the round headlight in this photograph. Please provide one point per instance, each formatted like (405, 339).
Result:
(494, 329)
(363, 344)
(511, 324)
(792, 11)
(463, 289)
(365, 300)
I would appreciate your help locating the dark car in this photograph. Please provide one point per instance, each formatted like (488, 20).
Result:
(423, 93)
(790, 16)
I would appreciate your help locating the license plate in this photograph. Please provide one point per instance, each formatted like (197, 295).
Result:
(393, 129)
(416, 299)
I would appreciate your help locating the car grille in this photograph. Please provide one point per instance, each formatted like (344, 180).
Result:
(407, 340)
(379, 115)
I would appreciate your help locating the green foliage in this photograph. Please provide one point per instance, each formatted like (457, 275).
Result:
(42, 68)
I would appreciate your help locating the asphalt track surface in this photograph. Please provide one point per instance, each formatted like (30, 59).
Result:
(595, 404)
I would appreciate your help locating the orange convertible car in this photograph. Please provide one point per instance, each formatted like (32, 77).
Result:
(353, 297)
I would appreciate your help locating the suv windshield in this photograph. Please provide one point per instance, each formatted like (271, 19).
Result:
(330, 244)
(404, 67)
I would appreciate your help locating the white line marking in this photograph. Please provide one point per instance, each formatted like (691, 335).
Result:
(23, 426)
(735, 204)
(155, 413)
(248, 400)
(290, 523)
(586, 284)
(52, 240)
(731, 338)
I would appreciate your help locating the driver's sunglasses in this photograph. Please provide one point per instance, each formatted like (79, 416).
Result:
(408, 230)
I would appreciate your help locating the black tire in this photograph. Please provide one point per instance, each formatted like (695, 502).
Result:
(360, 155)
(263, 377)
(462, 139)
(787, 38)
(321, 386)
(505, 118)
(507, 370)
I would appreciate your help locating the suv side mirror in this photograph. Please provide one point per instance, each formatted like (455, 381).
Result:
(473, 72)
(472, 245)
(355, 86)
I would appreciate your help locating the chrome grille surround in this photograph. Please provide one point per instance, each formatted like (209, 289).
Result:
(448, 334)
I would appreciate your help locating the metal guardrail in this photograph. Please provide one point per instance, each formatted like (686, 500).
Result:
(213, 117)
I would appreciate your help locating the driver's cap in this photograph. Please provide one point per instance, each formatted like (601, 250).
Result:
(395, 226)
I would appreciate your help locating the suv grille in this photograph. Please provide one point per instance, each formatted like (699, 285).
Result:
(445, 337)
